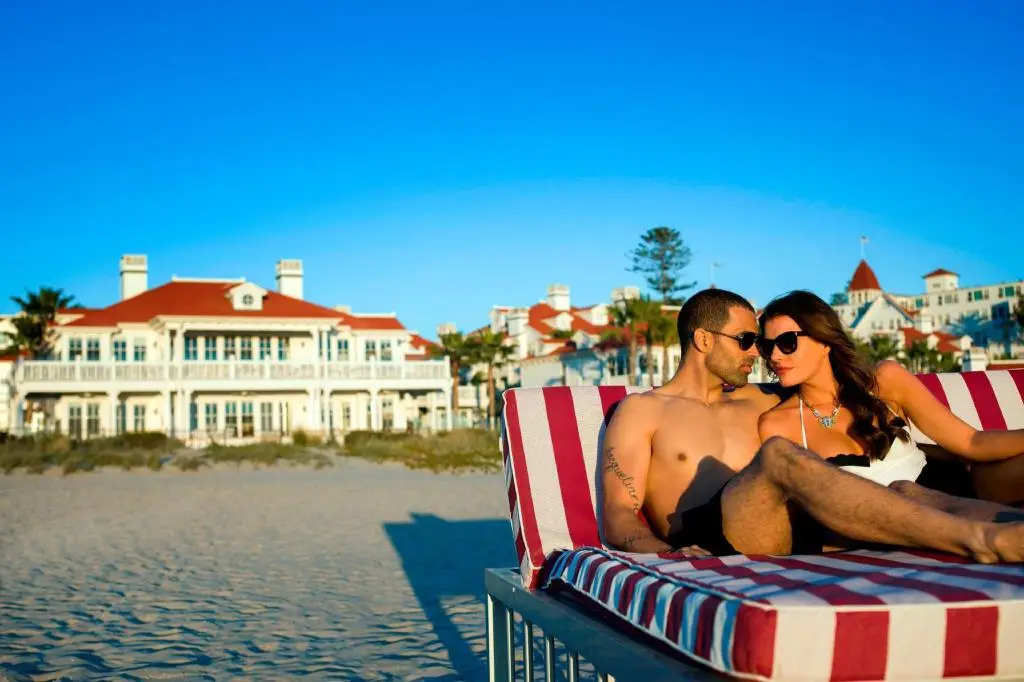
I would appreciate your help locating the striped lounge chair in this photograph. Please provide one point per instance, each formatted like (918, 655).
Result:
(858, 615)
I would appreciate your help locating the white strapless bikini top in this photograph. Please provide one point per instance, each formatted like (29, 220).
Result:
(903, 462)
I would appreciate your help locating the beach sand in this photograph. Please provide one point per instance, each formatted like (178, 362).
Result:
(361, 571)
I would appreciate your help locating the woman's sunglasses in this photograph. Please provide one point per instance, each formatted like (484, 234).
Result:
(786, 342)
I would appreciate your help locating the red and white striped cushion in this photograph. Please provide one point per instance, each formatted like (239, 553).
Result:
(859, 615)
(551, 439)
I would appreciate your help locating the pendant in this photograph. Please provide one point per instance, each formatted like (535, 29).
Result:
(827, 422)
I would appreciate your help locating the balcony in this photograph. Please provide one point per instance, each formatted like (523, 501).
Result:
(43, 375)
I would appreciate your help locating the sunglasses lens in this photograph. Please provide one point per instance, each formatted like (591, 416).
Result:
(786, 342)
(746, 340)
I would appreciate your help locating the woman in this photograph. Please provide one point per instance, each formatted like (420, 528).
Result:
(856, 416)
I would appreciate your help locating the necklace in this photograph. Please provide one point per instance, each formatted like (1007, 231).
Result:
(826, 421)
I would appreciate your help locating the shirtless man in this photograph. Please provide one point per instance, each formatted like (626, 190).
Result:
(673, 454)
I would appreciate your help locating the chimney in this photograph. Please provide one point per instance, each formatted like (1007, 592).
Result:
(517, 319)
(134, 275)
(289, 278)
(558, 297)
(446, 328)
(625, 293)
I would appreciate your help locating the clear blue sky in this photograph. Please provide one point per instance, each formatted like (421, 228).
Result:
(436, 158)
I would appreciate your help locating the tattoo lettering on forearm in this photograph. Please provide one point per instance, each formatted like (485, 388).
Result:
(630, 540)
(612, 465)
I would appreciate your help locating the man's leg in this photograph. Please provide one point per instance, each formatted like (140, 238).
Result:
(756, 513)
(977, 510)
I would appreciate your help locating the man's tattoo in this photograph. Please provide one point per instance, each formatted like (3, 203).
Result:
(630, 541)
(612, 465)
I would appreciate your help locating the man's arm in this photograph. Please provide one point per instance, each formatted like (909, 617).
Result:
(625, 461)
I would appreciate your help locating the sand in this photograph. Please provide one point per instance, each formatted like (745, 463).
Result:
(363, 571)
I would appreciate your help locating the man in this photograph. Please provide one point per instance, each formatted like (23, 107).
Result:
(671, 456)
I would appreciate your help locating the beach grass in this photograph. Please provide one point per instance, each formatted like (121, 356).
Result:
(463, 450)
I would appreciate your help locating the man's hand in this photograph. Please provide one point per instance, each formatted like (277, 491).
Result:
(687, 552)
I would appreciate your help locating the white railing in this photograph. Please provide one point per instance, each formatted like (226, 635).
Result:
(42, 371)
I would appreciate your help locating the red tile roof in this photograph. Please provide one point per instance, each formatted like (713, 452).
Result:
(210, 299)
(420, 343)
(864, 278)
(940, 271)
(946, 343)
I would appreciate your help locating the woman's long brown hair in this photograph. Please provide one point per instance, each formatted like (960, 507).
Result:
(873, 424)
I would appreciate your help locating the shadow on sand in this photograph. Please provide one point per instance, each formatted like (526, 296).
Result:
(444, 559)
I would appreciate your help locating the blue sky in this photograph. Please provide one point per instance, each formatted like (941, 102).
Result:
(434, 159)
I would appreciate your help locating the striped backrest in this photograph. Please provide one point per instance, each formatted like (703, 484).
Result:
(551, 440)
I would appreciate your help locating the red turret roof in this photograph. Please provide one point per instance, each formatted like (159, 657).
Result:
(940, 271)
(864, 278)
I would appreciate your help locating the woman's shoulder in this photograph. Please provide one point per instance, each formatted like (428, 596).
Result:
(775, 420)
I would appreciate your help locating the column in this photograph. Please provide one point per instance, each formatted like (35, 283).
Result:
(111, 413)
(374, 410)
(432, 402)
(168, 425)
(310, 410)
(448, 408)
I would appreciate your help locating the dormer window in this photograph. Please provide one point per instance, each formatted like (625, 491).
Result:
(247, 296)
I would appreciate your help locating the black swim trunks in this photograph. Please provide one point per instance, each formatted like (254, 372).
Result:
(703, 526)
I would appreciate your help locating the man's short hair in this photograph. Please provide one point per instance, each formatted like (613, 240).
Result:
(707, 309)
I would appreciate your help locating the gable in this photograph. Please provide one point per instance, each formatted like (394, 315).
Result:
(247, 296)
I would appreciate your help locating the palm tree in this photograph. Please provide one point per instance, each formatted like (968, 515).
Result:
(459, 351)
(33, 325)
(489, 348)
(660, 332)
(917, 356)
(628, 314)
(878, 348)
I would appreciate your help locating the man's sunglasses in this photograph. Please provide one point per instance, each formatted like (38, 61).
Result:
(786, 342)
(745, 340)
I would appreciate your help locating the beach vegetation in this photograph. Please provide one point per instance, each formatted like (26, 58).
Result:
(458, 451)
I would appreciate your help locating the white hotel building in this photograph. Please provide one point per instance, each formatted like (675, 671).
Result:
(948, 316)
(225, 359)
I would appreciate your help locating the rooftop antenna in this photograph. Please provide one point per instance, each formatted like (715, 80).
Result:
(863, 241)
(714, 264)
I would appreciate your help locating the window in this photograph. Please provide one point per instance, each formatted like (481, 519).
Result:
(246, 348)
(210, 417)
(120, 350)
(92, 349)
(75, 351)
(387, 417)
(139, 412)
(265, 348)
(266, 417)
(210, 348)
(229, 348)
(247, 300)
(371, 349)
(385, 350)
(247, 423)
(139, 350)
(282, 348)
(978, 295)
(343, 350)
(346, 416)
(231, 419)
(191, 348)
(121, 418)
(986, 294)
(75, 421)
(193, 417)
(92, 420)
(919, 303)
